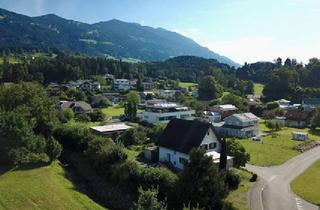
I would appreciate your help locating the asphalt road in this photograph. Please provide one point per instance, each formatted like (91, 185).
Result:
(272, 191)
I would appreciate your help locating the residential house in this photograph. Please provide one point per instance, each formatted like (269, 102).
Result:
(114, 97)
(181, 136)
(211, 116)
(122, 84)
(78, 107)
(225, 110)
(164, 112)
(310, 104)
(253, 99)
(147, 95)
(148, 85)
(284, 104)
(244, 125)
(167, 93)
(109, 77)
(195, 92)
(298, 118)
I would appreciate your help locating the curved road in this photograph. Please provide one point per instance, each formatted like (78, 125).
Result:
(272, 191)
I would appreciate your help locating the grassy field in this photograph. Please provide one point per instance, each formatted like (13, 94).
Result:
(187, 84)
(239, 197)
(258, 89)
(113, 111)
(41, 188)
(274, 150)
(307, 185)
(11, 60)
(87, 124)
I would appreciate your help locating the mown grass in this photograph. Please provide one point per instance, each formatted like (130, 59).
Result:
(11, 60)
(258, 89)
(239, 197)
(307, 185)
(41, 188)
(274, 149)
(113, 111)
(187, 84)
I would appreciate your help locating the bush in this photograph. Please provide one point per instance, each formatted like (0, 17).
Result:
(272, 105)
(134, 136)
(97, 115)
(54, 149)
(83, 117)
(148, 200)
(254, 178)
(116, 154)
(233, 179)
(74, 138)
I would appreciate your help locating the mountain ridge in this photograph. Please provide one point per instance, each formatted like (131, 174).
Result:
(114, 38)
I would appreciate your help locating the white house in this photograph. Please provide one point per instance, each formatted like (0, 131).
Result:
(167, 93)
(242, 125)
(284, 104)
(164, 112)
(122, 84)
(212, 116)
(181, 136)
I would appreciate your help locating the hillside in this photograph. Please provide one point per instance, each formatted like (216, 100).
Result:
(41, 188)
(111, 38)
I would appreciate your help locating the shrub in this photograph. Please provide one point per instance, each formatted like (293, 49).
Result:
(135, 136)
(254, 178)
(74, 138)
(83, 117)
(148, 200)
(272, 105)
(54, 149)
(233, 179)
(97, 115)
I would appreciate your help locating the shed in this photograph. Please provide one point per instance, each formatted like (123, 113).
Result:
(151, 154)
(300, 136)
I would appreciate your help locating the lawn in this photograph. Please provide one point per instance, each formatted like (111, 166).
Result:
(113, 111)
(258, 89)
(307, 185)
(274, 150)
(79, 123)
(41, 188)
(187, 84)
(239, 197)
(11, 60)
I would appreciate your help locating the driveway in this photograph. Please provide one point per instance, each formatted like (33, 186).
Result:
(272, 191)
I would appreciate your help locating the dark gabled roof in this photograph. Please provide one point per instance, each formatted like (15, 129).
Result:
(184, 135)
(298, 115)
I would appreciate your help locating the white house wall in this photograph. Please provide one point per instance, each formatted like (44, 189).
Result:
(211, 138)
(174, 157)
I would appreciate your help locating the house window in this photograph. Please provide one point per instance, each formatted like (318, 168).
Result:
(204, 146)
(182, 160)
(212, 145)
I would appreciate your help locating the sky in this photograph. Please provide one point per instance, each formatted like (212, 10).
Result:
(243, 30)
